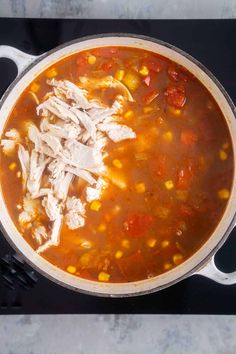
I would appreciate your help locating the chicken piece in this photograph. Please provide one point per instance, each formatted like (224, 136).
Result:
(61, 185)
(56, 167)
(54, 237)
(52, 141)
(24, 159)
(39, 145)
(117, 132)
(13, 134)
(82, 156)
(24, 218)
(94, 193)
(59, 108)
(37, 167)
(52, 207)
(65, 130)
(31, 206)
(74, 220)
(71, 92)
(8, 146)
(75, 205)
(106, 82)
(85, 175)
(86, 121)
(40, 234)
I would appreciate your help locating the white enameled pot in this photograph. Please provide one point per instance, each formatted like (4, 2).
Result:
(202, 262)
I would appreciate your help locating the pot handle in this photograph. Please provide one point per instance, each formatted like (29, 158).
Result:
(212, 272)
(21, 59)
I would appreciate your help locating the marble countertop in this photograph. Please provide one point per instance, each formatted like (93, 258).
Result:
(148, 9)
(117, 334)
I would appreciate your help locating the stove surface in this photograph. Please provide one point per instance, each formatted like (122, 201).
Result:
(24, 291)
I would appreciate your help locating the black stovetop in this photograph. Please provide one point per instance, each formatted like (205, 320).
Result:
(22, 290)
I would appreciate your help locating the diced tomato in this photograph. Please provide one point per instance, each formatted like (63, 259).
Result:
(108, 65)
(147, 80)
(136, 225)
(173, 73)
(177, 74)
(150, 97)
(154, 64)
(159, 165)
(82, 65)
(175, 96)
(188, 137)
(132, 266)
(184, 175)
(105, 52)
(186, 210)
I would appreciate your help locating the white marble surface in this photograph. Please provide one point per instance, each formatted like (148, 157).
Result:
(117, 334)
(119, 8)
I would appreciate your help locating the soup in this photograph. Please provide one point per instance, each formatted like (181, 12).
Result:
(116, 164)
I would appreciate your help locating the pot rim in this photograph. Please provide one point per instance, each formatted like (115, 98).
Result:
(231, 225)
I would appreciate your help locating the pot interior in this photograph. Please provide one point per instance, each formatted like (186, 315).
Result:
(224, 226)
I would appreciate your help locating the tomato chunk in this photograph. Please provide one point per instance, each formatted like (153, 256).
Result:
(175, 96)
(108, 65)
(177, 74)
(188, 137)
(136, 225)
(154, 64)
(151, 97)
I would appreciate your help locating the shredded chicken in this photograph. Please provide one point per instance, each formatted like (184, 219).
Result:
(69, 143)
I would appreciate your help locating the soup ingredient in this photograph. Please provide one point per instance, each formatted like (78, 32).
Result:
(69, 147)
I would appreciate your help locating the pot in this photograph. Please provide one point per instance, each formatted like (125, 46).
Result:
(202, 262)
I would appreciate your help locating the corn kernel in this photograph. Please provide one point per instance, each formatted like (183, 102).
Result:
(117, 163)
(119, 74)
(71, 269)
(223, 193)
(103, 276)
(51, 73)
(125, 243)
(177, 258)
(223, 155)
(168, 136)
(12, 166)
(102, 227)
(147, 109)
(167, 266)
(144, 71)
(151, 242)
(181, 195)
(92, 59)
(18, 174)
(140, 187)
(34, 87)
(95, 205)
(118, 254)
(174, 111)
(225, 146)
(129, 114)
(169, 184)
(165, 243)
